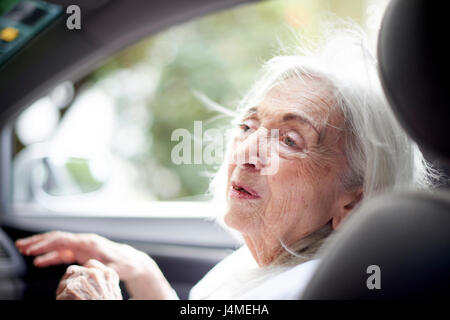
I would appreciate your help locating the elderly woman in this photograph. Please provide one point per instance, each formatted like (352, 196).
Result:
(314, 139)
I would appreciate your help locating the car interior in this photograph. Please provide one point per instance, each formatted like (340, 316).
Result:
(406, 234)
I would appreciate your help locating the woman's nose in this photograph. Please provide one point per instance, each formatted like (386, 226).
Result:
(250, 153)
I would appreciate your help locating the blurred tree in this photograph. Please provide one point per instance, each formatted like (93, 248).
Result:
(219, 56)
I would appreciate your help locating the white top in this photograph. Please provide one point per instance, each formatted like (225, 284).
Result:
(239, 277)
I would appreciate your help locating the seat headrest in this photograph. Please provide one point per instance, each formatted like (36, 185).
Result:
(414, 66)
(405, 236)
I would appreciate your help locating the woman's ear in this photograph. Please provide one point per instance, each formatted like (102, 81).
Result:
(346, 203)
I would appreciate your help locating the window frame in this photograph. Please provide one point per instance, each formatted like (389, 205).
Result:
(197, 231)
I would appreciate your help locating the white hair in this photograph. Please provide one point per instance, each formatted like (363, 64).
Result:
(380, 156)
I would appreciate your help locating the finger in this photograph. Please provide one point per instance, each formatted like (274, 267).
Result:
(48, 259)
(75, 270)
(96, 276)
(59, 243)
(68, 294)
(101, 274)
(97, 284)
(54, 258)
(61, 286)
(27, 240)
(109, 273)
(71, 272)
(64, 295)
(92, 263)
(91, 287)
(24, 243)
(39, 237)
(85, 283)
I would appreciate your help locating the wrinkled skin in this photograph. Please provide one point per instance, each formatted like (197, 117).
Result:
(57, 247)
(142, 277)
(94, 281)
(305, 193)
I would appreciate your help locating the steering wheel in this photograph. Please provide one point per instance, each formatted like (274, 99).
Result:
(12, 267)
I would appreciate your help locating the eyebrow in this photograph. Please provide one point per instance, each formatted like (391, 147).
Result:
(250, 112)
(301, 118)
(287, 117)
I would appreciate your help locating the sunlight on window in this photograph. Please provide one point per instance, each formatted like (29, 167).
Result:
(123, 113)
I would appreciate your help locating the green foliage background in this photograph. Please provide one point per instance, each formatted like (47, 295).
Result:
(218, 55)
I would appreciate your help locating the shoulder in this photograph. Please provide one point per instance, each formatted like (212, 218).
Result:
(286, 285)
(219, 280)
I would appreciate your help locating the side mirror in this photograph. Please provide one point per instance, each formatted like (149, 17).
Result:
(67, 176)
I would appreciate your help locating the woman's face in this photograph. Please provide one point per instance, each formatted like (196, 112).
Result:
(304, 193)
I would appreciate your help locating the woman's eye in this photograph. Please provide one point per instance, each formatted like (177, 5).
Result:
(244, 127)
(289, 142)
(293, 140)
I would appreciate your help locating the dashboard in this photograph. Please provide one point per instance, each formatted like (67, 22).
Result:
(23, 21)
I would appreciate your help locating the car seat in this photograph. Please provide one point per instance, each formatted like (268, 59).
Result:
(404, 237)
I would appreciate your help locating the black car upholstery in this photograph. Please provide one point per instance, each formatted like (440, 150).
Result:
(405, 235)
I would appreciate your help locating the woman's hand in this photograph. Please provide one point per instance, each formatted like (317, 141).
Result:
(53, 248)
(94, 281)
(142, 276)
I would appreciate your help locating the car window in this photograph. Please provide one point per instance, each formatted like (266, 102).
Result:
(110, 142)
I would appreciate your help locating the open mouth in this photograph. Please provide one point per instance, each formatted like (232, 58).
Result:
(241, 192)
